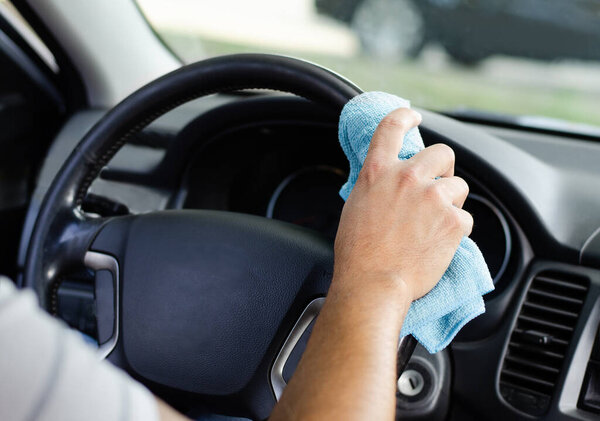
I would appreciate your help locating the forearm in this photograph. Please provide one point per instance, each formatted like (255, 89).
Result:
(348, 370)
(166, 413)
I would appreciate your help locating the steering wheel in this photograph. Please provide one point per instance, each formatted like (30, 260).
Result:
(201, 302)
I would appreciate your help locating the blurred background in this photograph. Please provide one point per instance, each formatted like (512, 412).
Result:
(535, 59)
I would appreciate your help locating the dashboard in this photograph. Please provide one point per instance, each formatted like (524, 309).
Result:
(535, 201)
(294, 173)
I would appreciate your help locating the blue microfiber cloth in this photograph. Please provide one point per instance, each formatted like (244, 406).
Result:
(435, 319)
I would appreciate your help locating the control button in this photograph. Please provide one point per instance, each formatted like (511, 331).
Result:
(590, 390)
(105, 305)
(411, 383)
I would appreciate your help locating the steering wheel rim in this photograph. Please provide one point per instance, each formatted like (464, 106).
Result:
(63, 235)
(60, 217)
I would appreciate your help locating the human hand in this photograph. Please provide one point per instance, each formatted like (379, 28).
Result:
(401, 226)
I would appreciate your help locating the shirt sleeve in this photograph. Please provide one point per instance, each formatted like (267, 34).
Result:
(48, 372)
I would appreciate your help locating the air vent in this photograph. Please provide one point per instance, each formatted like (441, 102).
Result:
(540, 340)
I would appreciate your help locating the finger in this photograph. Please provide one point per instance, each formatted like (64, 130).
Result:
(434, 161)
(387, 139)
(466, 221)
(456, 188)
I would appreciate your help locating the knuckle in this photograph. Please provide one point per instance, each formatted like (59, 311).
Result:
(436, 192)
(470, 222)
(452, 219)
(418, 117)
(446, 151)
(372, 170)
(401, 119)
(394, 120)
(464, 185)
(409, 175)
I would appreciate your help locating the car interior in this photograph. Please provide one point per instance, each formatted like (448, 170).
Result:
(172, 192)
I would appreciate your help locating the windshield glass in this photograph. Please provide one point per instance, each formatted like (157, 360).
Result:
(516, 58)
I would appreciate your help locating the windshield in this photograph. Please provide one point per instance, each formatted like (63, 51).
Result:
(516, 58)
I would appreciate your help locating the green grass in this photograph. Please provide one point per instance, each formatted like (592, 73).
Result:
(446, 88)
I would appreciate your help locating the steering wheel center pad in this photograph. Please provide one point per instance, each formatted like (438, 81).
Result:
(206, 292)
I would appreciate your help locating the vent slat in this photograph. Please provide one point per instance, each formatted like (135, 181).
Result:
(559, 287)
(533, 364)
(522, 384)
(531, 379)
(562, 334)
(529, 348)
(554, 339)
(551, 310)
(563, 284)
(541, 337)
(555, 296)
(546, 323)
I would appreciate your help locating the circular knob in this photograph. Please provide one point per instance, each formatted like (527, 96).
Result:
(411, 383)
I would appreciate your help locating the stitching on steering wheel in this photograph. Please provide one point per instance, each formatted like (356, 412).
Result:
(114, 148)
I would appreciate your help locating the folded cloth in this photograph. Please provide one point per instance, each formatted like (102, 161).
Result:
(435, 319)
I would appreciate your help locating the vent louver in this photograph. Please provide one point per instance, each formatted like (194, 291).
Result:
(540, 340)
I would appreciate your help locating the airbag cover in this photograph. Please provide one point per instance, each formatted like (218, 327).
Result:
(204, 293)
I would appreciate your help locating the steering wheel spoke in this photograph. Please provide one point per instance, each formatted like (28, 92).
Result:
(68, 237)
(106, 293)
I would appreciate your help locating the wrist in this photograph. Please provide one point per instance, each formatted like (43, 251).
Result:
(375, 295)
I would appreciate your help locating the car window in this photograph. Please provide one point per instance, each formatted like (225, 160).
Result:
(523, 58)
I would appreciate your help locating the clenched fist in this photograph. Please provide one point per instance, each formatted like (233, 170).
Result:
(403, 221)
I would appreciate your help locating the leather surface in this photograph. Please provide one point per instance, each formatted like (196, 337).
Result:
(204, 292)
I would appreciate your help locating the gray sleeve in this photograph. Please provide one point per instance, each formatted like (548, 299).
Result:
(47, 371)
